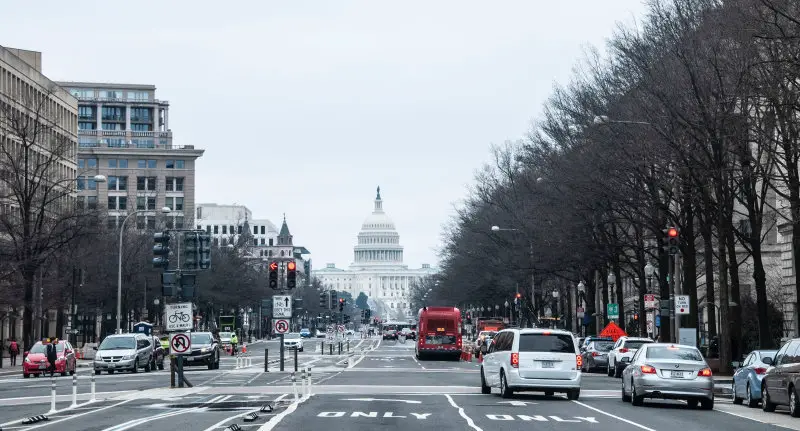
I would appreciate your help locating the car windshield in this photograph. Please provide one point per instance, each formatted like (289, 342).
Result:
(291, 336)
(201, 338)
(224, 335)
(635, 344)
(304, 330)
(603, 346)
(112, 343)
(546, 342)
(40, 348)
(675, 353)
(768, 354)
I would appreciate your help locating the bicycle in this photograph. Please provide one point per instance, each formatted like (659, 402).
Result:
(179, 316)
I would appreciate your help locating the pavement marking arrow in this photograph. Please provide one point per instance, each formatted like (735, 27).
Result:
(516, 403)
(382, 399)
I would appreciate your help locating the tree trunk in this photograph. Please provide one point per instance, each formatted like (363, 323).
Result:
(736, 312)
(27, 314)
(708, 261)
(690, 265)
(664, 330)
(765, 340)
(724, 337)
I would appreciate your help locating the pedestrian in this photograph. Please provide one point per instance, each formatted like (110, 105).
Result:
(52, 356)
(13, 351)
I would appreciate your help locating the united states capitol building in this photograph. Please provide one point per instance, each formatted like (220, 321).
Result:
(378, 268)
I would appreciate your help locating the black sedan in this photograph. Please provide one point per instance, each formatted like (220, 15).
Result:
(205, 351)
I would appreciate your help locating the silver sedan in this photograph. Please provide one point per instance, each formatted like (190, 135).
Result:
(668, 371)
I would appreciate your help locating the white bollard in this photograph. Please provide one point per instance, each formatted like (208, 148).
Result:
(74, 390)
(303, 383)
(294, 387)
(309, 381)
(249, 360)
(52, 395)
(92, 399)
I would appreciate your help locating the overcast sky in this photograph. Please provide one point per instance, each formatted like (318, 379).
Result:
(305, 107)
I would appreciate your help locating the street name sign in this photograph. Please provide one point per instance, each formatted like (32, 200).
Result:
(282, 306)
(682, 304)
(178, 317)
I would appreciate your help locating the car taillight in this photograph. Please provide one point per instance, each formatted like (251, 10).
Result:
(515, 360)
(595, 354)
(579, 361)
(760, 370)
(623, 350)
(705, 372)
(647, 369)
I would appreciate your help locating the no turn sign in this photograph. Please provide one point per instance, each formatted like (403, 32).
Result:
(180, 343)
(280, 326)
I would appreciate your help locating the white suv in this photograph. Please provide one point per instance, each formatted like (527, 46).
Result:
(625, 347)
(546, 360)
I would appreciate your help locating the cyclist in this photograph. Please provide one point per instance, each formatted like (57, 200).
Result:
(234, 342)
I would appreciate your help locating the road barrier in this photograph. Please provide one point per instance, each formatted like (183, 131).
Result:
(52, 395)
(266, 360)
(309, 382)
(74, 391)
(93, 399)
(348, 346)
(294, 388)
(295, 359)
(303, 383)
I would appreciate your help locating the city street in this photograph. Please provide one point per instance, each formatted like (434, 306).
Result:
(380, 384)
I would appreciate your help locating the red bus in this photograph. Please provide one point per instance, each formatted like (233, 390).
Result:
(438, 332)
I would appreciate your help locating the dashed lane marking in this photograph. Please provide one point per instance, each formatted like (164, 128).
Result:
(630, 422)
(228, 419)
(463, 414)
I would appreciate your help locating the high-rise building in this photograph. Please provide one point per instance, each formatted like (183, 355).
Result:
(124, 134)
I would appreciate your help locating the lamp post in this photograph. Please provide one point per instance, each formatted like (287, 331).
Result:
(164, 210)
(578, 302)
(530, 251)
(156, 302)
(612, 280)
(506, 311)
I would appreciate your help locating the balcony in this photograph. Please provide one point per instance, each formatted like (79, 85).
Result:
(124, 133)
(121, 100)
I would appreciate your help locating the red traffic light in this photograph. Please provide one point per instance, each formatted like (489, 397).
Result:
(672, 232)
(273, 266)
(291, 266)
(519, 295)
(341, 299)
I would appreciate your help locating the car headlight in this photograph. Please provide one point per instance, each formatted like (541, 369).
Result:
(205, 349)
(126, 357)
(28, 360)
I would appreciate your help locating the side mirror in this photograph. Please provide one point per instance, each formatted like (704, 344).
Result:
(735, 364)
(766, 360)
(95, 347)
(625, 359)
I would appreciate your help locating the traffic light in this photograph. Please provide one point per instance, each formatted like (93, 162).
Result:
(161, 250)
(673, 241)
(307, 270)
(187, 284)
(369, 314)
(291, 275)
(341, 304)
(191, 251)
(323, 300)
(635, 316)
(363, 315)
(205, 249)
(334, 300)
(170, 280)
(273, 275)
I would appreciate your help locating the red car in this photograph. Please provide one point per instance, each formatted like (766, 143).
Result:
(36, 360)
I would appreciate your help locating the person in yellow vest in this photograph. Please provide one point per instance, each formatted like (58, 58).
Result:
(165, 343)
(234, 342)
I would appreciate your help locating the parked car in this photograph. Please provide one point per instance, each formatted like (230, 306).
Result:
(546, 360)
(670, 371)
(124, 352)
(779, 384)
(747, 378)
(293, 340)
(36, 364)
(624, 347)
(205, 351)
(595, 355)
(320, 333)
(305, 333)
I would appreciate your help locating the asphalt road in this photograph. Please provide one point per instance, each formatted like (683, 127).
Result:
(379, 385)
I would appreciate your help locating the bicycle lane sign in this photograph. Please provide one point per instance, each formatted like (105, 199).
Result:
(178, 317)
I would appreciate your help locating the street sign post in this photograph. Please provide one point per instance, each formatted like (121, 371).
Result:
(178, 317)
(613, 311)
(280, 326)
(649, 301)
(682, 304)
(180, 343)
(282, 307)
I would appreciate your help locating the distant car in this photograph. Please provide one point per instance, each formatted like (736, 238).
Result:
(121, 352)
(305, 333)
(390, 334)
(624, 347)
(595, 355)
(293, 340)
(747, 379)
(320, 333)
(35, 362)
(205, 351)
(671, 371)
(349, 332)
(408, 333)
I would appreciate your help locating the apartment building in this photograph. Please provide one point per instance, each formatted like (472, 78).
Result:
(124, 134)
(227, 223)
(24, 90)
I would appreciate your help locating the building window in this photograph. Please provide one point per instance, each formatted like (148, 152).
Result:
(174, 184)
(112, 222)
(146, 164)
(81, 202)
(175, 164)
(224, 229)
(140, 127)
(112, 126)
(87, 163)
(80, 183)
(270, 242)
(216, 229)
(262, 241)
(86, 126)
(240, 229)
(118, 163)
(263, 229)
(145, 203)
(111, 113)
(208, 229)
(118, 202)
(145, 183)
(117, 183)
(148, 222)
(175, 203)
(91, 184)
(91, 202)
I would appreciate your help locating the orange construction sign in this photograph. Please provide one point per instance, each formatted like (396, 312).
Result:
(613, 331)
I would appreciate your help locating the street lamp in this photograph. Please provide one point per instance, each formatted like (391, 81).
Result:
(612, 280)
(164, 210)
(649, 270)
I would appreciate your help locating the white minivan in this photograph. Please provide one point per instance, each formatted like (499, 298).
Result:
(544, 360)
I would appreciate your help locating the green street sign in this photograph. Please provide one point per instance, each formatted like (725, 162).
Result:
(612, 310)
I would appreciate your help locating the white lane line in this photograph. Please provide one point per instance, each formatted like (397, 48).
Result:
(79, 415)
(136, 422)
(275, 420)
(221, 423)
(614, 416)
(463, 414)
(754, 419)
(415, 360)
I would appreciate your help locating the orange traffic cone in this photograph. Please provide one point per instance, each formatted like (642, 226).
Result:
(244, 348)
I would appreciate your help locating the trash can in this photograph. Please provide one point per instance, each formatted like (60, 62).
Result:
(143, 328)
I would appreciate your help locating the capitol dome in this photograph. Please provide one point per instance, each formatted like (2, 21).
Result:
(378, 241)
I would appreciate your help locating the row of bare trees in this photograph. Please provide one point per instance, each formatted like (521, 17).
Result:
(690, 119)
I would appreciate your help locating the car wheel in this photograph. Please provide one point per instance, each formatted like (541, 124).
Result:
(707, 404)
(609, 373)
(636, 400)
(110, 371)
(485, 389)
(617, 371)
(97, 372)
(135, 366)
(573, 394)
(736, 400)
(748, 397)
(692, 404)
(505, 391)
(25, 375)
(149, 366)
(625, 398)
(794, 408)
(766, 404)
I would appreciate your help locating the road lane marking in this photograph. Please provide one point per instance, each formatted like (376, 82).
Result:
(463, 413)
(614, 416)
(77, 415)
(237, 415)
(136, 422)
(275, 420)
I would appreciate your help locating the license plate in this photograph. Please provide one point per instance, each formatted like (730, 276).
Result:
(676, 374)
(42, 366)
(547, 364)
